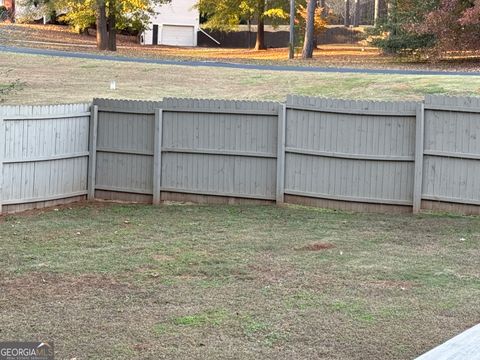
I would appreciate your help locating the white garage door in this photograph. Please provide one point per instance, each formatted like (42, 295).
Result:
(178, 35)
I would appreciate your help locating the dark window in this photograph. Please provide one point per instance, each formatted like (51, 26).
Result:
(155, 35)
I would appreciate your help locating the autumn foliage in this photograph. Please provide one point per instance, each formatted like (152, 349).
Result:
(455, 25)
(433, 27)
(320, 23)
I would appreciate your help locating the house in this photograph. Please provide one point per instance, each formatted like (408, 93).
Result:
(176, 23)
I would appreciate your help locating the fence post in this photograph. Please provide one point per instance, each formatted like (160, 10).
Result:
(282, 121)
(2, 150)
(419, 148)
(157, 156)
(92, 158)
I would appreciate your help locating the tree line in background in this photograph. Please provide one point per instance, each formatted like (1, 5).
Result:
(434, 27)
(429, 27)
(226, 15)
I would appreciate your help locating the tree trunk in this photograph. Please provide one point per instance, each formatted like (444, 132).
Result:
(260, 44)
(347, 13)
(308, 44)
(380, 11)
(356, 14)
(112, 27)
(323, 6)
(102, 33)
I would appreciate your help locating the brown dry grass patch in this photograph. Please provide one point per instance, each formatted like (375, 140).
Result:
(317, 247)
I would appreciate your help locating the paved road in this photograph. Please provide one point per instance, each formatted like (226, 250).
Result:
(77, 55)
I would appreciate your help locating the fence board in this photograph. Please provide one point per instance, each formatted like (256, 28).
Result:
(282, 117)
(419, 154)
(157, 159)
(92, 160)
(2, 151)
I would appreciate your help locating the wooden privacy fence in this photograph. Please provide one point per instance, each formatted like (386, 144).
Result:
(450, 152)
(354, 151)
(157, 151)
(357, 155)
(124, 149)
(44, 153)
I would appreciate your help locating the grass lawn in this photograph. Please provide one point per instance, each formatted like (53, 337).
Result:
(246, 282)
(50, 80)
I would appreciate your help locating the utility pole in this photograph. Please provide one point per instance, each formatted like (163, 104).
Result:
(291, 45)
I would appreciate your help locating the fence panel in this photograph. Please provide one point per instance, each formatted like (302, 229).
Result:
(125, 146)
(355, 151)
(217, 147)
(345, 154)
(45, 154)
(452, 150)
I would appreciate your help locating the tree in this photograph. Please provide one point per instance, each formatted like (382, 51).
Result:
(112, 25)
(319, 24)
(109, 16)
(454, 25)
(308, 44)
(101, 22)
(401, 27)
(356, 14)
(323, 6)
(226, 15)
(380, 11)
(347, 13)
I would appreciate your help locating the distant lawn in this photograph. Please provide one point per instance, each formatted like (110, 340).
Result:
(56, 80)
(246, 282)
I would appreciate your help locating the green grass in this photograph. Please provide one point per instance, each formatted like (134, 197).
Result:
(184, 281)
(213, 317)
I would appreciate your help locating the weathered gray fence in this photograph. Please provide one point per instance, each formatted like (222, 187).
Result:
(358, 155)
(148, 150)
(354, 151)
(451, 151)
(124, 148)
(222, 148)
(43, 154)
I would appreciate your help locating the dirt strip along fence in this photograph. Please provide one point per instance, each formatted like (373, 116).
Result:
(350, 155)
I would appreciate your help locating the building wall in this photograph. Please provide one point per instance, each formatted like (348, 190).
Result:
(177, 12)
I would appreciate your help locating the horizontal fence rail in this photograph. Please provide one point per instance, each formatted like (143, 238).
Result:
(357, 155)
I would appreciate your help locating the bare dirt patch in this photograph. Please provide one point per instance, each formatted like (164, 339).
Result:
(317, 247)
(36, 285)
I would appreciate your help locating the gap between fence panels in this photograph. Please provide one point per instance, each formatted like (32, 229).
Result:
(381, 154)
